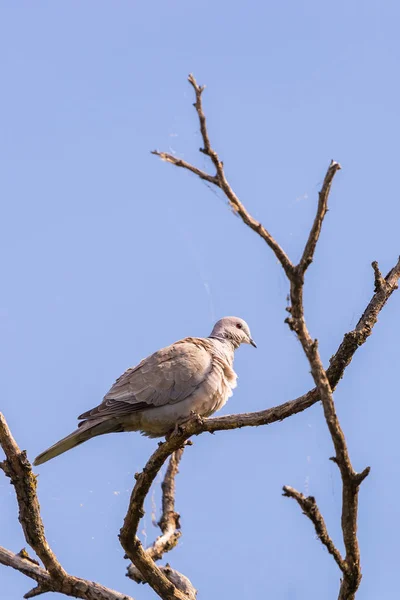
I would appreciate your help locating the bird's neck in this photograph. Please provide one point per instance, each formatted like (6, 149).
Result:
(225, 346)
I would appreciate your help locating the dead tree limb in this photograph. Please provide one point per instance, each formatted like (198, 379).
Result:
(325, 380)
(170, 528)
(53, 577)
(309, 507)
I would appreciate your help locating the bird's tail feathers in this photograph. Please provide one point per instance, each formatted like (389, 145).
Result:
(86, 431)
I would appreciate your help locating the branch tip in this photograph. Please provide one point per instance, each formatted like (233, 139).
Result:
(359, 477)
(380, 282)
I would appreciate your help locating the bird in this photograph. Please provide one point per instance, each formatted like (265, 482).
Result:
(193, 376)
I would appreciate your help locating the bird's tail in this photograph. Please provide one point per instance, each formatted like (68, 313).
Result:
(85, 431)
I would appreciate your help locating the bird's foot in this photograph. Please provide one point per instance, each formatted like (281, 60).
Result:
(180, 427)
(195, 417)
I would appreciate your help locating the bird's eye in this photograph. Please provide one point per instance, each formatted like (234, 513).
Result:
(239, 325)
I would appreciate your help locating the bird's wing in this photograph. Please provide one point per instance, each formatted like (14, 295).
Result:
(167, 376)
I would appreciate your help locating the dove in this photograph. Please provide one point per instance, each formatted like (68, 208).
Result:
(193, 376)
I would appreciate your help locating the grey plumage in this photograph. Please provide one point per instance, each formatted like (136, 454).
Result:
(193, 375)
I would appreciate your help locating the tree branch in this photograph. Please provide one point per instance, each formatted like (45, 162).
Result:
(69, 586)
(350, 479)
(221, 181)
(143, 559)
(309, 248)
(170, 526)
(53, 577)
(179, 162)
(311, 510)
(19, 470)
(325, 380)
(169, 522)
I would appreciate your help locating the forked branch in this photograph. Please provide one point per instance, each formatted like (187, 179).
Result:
(53, 577)
(325, 380)
(170, 529)
(311, 510)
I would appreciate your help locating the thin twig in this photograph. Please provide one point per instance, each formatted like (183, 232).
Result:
(179, 162)
(311, 510)
(221, 181)
(309, 248)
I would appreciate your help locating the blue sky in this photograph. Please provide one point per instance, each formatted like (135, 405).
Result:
(109, 254)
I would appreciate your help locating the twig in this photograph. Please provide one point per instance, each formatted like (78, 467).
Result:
(220, 181)
(179, 162)
(309, 248)
(311, 510)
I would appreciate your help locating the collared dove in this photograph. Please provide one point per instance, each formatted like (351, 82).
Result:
(192, 376)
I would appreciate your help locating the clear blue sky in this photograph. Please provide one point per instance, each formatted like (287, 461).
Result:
(109, 254)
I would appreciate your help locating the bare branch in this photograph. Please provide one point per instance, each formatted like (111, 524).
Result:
(54, 577)
(178, 162)
(350, 478)
(311, 510)
(325, 380)
(220, 181)
(169, 522)
(19, 469)
(309, 249)
(140, 558)
(69, 586)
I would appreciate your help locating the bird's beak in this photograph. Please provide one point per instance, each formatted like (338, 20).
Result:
(252, 342)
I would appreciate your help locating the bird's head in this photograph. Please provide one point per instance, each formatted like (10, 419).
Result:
(234, 330)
